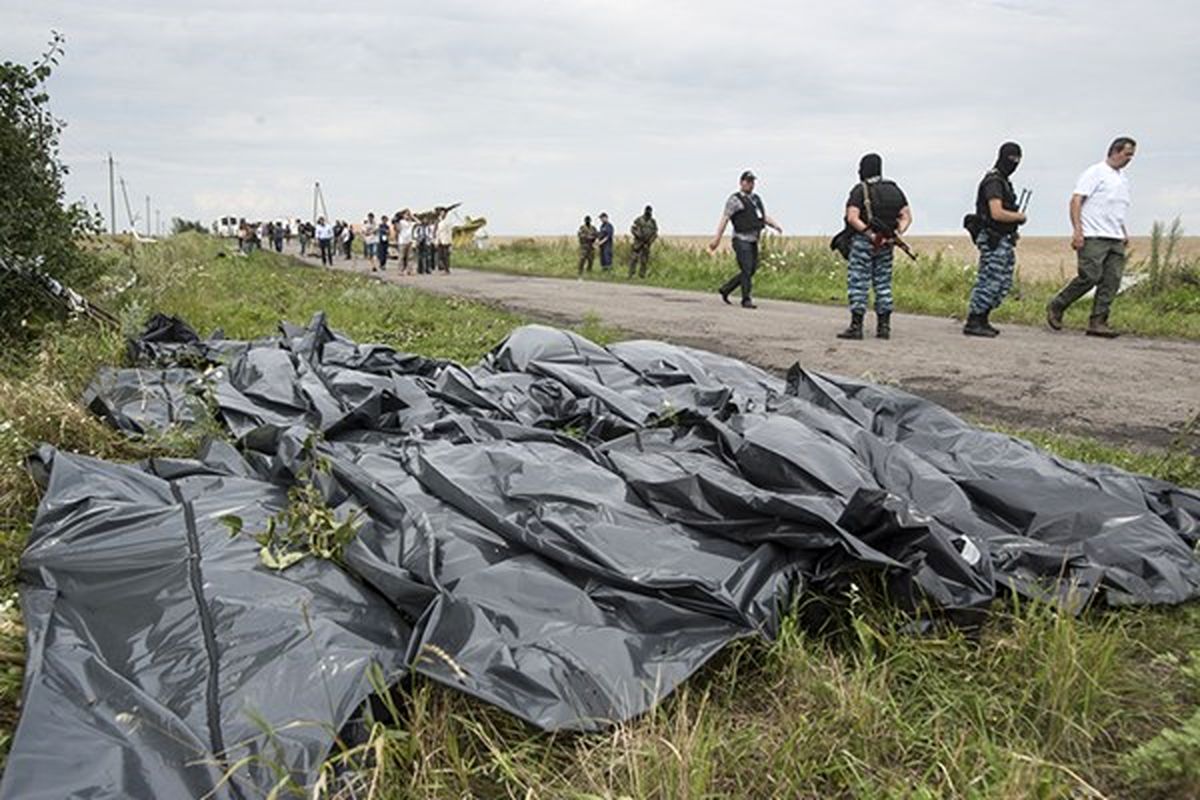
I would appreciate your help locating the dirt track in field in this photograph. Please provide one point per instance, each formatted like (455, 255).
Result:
(1129, 391)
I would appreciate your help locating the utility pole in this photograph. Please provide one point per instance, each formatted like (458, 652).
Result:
(128, 208)
(112, 198)
(147, 216)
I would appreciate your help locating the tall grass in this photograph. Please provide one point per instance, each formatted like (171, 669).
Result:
(935, 284)
(1038, 705)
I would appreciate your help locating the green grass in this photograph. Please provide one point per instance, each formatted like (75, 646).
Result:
(1040, 705)
(934, 285)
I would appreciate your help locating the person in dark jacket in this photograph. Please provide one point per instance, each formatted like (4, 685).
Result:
(998, 216)
(876, 212)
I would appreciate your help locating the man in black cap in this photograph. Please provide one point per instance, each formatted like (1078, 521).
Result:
(876, 212)
(998, 215)
(745, 210)
(644, 231)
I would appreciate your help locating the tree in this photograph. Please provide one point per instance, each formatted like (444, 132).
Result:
(181, 225)
(34, 222)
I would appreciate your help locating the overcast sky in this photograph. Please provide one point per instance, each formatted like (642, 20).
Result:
(534, 113)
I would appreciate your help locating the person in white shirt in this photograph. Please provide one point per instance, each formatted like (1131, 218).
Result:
(445, 238)
(324, 234)
(369, 239)
(1098, 210)
(404, 238)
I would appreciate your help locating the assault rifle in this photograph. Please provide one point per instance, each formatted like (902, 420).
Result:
(903, 246)
(895, 239)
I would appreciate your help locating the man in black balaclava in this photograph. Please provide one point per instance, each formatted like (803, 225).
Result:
(999, 217)
(876, 213)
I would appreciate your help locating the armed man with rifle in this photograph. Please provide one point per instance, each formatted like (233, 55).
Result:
(993, 227)
(877, 214)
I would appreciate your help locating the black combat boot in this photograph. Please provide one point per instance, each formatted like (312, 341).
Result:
(883, 324)
(855, 329)
(977, 327)
(1054, 316)
(992, 329)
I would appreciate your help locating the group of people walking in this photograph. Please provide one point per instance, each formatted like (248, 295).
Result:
(877, 215)
(253, 236)
(430, 236)
(643, 232)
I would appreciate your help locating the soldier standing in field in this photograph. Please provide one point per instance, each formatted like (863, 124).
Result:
(876, 212)
(746, 211)
(644, 231)
(586, 235)
(1098, 209)
(998, 218)
(606, 242)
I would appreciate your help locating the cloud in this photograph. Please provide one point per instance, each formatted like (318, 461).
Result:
(534, 113)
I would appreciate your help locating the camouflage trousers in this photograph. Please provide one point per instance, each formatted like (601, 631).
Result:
(639, 258)
(869, 269)
(586, 256)
(996, 263)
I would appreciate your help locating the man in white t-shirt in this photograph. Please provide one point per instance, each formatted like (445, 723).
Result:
(404, 238)
(444, 239)
(324, 234)
(1098, 210)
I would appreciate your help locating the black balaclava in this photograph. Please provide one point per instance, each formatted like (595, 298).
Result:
(870, 166)
(1008, 159)
(649, 211)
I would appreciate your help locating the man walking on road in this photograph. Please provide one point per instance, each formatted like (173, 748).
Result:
(877, 211)
(644, 231)
(1098, 210)
(445, 239)
(382, 241)
(404, 238)
(324, 234)
(745, 210)
(587, 244)
(998, 218)
(606, 242)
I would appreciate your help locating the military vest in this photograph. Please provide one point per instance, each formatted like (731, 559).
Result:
(1008, 201)
(752, 217)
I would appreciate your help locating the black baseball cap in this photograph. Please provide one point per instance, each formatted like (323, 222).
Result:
(749, 176)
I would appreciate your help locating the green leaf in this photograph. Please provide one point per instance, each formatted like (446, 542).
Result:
(233, 522)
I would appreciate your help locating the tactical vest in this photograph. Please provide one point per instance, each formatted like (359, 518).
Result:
(886, 202)
(1008, 202)
(752, 216)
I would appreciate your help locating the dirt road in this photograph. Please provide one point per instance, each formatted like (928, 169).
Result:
(1130, 390)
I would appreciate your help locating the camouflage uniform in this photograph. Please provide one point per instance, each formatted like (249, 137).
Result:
(644, 231)
(870, 267)
(587, 235)
(997, 260)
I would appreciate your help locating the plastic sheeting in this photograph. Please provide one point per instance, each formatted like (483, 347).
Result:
(565, 531)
